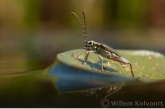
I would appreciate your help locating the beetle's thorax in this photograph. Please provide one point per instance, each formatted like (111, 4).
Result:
(101, 49)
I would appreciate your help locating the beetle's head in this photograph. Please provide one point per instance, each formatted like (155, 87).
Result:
(89, 45)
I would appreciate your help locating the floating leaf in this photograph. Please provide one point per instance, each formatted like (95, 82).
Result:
(73, 75)
(148, 65)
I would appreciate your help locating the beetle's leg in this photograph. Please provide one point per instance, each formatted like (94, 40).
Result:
(122, 61)
(86, 58)
(101, 59)
(131, 69)
(79, 54)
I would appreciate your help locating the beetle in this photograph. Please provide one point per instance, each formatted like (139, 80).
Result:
(101, 49)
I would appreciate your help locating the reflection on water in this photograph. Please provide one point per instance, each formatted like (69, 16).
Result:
(103, 92)
(36, 90)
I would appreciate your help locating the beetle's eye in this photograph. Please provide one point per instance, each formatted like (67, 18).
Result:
(90, 43)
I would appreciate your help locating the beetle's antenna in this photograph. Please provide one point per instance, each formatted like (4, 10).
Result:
(85, 35)
(85, 38)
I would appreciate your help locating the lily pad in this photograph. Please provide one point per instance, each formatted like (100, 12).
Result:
(148, 65)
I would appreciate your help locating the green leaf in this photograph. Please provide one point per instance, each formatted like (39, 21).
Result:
(148, 65)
